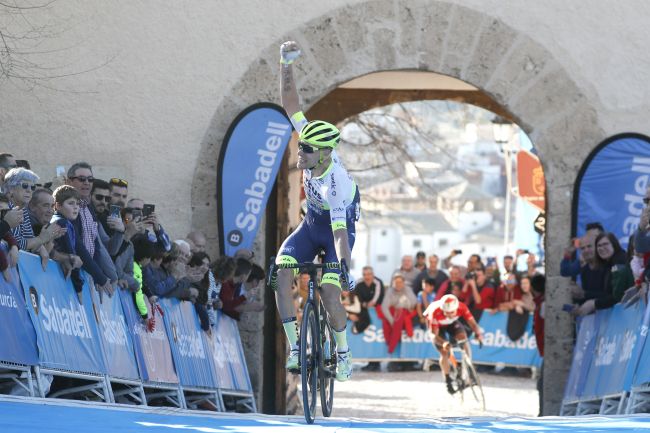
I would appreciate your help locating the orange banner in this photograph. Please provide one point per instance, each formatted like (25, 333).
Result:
(530, 176)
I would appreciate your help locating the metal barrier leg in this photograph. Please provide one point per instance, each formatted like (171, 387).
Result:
(39, 381)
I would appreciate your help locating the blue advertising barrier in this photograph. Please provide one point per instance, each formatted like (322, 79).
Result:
(116, 338)
(152, 349)
(248, 165)
(188, 344)
(582, 352)
(611, 186)
(17, 332)
(66, 332)
(497, 345)
(642, 372)
(601, 355)
(229, 354)
(615, 349)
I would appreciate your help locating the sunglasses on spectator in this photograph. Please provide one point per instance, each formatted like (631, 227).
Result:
(118, 182)
(306, 148)
(100, 197)
(84, 179)
(28, 186)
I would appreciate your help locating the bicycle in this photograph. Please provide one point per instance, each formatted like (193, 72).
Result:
(464, 375)
(316, 344)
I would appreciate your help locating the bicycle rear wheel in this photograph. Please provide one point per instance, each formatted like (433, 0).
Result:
(309, 342)
(474, 383)
(328, 367)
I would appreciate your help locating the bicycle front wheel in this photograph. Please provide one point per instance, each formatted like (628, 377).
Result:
(309, 342)
(474, 383)
(328, 367)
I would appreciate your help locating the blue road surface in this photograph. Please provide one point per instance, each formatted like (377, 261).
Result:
(44, 416)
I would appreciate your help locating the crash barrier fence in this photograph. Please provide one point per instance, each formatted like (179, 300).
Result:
(105, 351)
(610, 371)
(498, 346)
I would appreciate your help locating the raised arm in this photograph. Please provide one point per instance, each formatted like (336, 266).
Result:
(289, 52)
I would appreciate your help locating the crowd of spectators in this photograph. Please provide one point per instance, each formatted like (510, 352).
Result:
(602, 272)
(81, 222)
(483, 287)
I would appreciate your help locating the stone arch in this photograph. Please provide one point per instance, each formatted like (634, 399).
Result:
(516, 71)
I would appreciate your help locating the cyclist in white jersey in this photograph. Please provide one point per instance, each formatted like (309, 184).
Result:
(332, 210)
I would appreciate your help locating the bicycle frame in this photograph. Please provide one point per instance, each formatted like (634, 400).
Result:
(314, 329)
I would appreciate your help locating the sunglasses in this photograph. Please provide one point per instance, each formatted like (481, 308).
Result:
(84, 179)
(118, 182)
(28, 186)
(100, 197)
(306, 148)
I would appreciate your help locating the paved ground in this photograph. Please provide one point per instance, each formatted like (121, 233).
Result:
(33, 415)
(419, 394)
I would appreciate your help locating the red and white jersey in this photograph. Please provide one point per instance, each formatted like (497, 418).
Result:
(437, 318)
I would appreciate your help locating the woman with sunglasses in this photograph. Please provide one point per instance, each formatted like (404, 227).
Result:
(19, 185)
(332, 210)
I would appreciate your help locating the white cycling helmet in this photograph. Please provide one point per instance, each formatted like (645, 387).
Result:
(449, 303)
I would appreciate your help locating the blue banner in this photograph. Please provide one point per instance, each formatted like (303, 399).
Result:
(67, 333)
(188, 343)
(611, 186)
(582, 353)
(642, 373)
(227, 353)
(248, 165)
(601, 356)
(497, 345)
(618, 343)
(116, 340)
(152, 349)
(237, 360)
(17, 331)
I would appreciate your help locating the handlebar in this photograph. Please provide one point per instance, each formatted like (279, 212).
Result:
(310, 266)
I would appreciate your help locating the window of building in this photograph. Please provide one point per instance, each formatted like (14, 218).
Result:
(417, 243)
(382, 258)
(443, 242)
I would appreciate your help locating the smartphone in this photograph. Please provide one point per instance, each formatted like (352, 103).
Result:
(22, 163)
(60, 171)
(458, 251)
(568, 307)
(148, 209)
(137, 214)
(115, 210)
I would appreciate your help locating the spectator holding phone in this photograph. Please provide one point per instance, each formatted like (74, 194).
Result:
(155, 231)
(119, 191)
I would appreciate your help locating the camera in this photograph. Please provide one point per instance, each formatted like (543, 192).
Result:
(471, 275)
